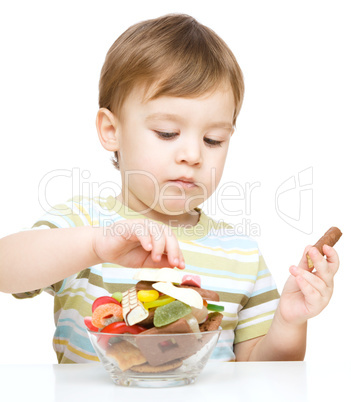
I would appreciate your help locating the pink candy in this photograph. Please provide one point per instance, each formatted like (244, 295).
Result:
(191, 280)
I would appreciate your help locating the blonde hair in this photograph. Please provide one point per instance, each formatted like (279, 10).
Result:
(181, 56)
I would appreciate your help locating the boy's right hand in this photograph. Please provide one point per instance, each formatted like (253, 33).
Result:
(138, 243)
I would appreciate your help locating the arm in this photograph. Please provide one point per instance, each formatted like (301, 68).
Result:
(282, 342)
(34, 259)
(31, 260)
(304, 296)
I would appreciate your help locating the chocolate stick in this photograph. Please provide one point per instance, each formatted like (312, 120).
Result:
(329, 238)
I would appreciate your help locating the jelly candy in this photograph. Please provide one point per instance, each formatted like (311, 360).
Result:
(117, 328)
(103, 300)
(214, 307)
(161, 301)
(191, 280)
(88, 323)
(148, 295)
(171, 312)
(106, 311)
(118, 296)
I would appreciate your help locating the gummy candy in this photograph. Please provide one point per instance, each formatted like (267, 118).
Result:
(148, 295)
(171, 312)
(106, 311)
(191, 280)
(214, 307)
(161, 301)
(103, 300)
(118, 296)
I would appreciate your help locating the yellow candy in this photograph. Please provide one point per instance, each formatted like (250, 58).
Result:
(161, 301)
(146, 296)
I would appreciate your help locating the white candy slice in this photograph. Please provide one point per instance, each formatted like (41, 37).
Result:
(158, 275)
(185, 295)
(133, 309)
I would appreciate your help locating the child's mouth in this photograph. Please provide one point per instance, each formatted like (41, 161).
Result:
(183, 183)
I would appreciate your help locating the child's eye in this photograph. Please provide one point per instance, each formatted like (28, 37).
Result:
(170, 136)
(213, 143)
(165, 136)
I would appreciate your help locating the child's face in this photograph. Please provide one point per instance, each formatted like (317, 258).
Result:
(169, 139)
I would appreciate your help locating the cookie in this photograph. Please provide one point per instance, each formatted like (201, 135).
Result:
(147, 368)
(212, 323)
(126, 354)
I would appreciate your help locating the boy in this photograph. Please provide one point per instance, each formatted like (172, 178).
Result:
(170, 94)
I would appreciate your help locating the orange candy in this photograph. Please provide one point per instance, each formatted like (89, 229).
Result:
(106, 311)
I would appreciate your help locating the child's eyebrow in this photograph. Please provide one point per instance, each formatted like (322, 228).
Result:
(164, 116)
(179, 119)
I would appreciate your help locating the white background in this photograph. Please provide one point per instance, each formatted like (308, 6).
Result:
(296, 117)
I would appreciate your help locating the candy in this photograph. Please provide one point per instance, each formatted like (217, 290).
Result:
(204, 293)
(191, 280)
(133, 310)
(149, 320)
(329, 238)
(212, 323)
(106, 311)
(118, 296)
(200, 315)
(118, 328)
(214, 307)
(158, 275)
(167, 346)
(171, 312)
(144, 285)
(161, 301)
(148, 295)
(186, 295)
(193, 323)
(122, 328)
(89, 324)
(103, 300)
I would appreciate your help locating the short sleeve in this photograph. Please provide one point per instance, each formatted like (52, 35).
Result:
(255, 318)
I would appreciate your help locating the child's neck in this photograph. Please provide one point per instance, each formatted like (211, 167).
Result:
(185, 219)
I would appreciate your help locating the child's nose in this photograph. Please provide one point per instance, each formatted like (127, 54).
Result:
(189, 152)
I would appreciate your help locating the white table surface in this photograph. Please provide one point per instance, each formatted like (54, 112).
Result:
(263, 381)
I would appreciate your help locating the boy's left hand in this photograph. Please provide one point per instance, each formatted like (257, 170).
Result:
(307, 293)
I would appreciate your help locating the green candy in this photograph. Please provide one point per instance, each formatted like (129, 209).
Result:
(170, 312)
(118, 296)
(215, 307)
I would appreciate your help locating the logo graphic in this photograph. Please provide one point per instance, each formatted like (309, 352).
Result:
(294, 201)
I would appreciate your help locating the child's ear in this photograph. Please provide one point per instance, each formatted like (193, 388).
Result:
(106, 125)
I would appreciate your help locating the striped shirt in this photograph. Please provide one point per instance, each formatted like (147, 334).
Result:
(229, 264)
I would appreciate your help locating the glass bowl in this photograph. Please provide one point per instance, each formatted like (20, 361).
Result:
(158, 360)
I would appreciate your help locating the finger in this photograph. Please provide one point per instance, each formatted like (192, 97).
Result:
(303, 262)
(317, 258)
(145, 237)
(317, 283)
(158, 240)
(332, 258)
(312, 295)
(175, 255)
(324, 270)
